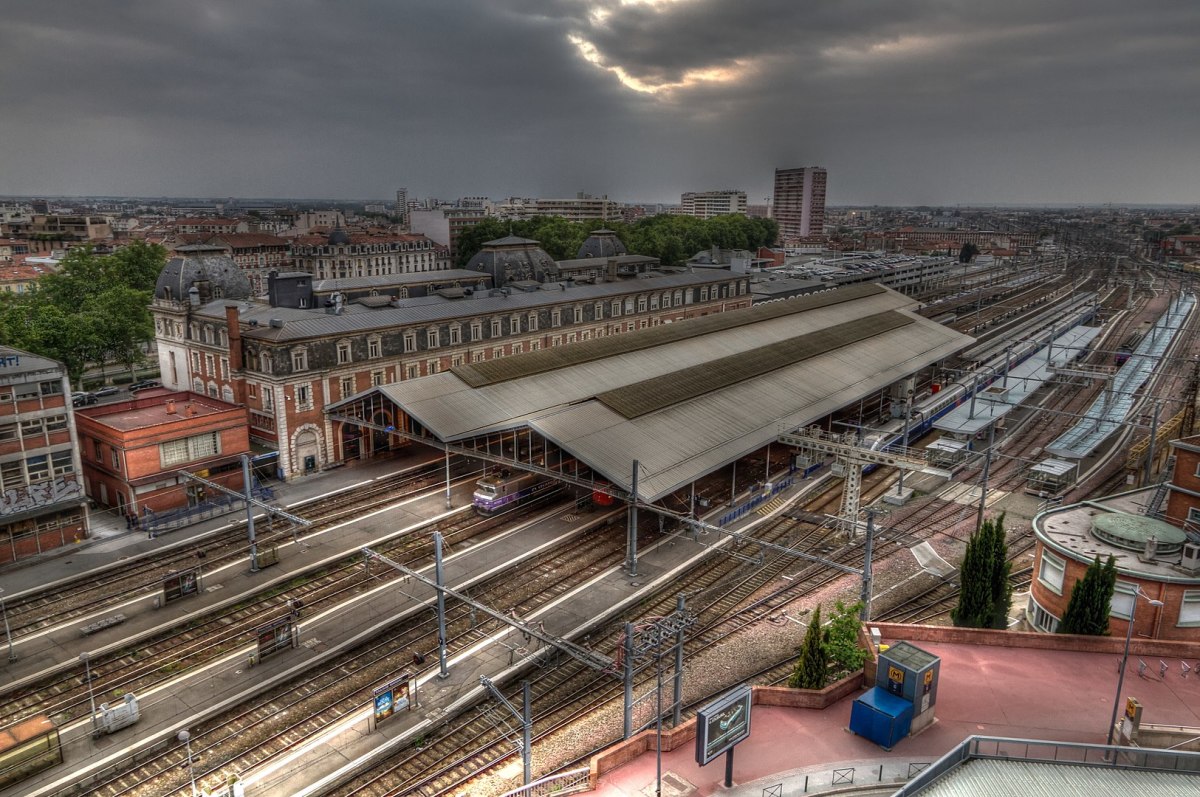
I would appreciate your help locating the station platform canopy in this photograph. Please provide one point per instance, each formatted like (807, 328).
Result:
(1005, 395)
(685, 398)
(1110, 409)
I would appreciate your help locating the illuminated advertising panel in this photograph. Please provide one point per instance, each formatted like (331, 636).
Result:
(180, 585)
(390, 698)
(274, 637)
(722, 724)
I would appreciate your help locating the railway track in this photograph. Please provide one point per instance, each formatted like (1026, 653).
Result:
(98, 591)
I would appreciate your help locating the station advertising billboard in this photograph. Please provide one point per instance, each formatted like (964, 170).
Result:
(274, 637)
(390, 698)
(181, 584)
(722, 724)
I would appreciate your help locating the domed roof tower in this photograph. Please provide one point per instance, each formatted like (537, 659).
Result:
(602, 243)
(513, 259)
(206, 268)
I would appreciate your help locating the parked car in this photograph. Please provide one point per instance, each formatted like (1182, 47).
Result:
(107, 390)
(82, 399)
(145, 384)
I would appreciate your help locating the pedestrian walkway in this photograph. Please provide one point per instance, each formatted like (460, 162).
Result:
(992, 690)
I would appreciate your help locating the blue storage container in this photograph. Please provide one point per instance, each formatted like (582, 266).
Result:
(881, 717)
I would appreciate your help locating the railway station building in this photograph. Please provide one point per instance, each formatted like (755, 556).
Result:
(314, 345)
(649, 413)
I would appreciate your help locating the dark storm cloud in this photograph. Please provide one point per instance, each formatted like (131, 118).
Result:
(904, 101)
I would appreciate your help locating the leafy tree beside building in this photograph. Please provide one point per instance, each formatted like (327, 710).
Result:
(93, 310)
(1091, 600)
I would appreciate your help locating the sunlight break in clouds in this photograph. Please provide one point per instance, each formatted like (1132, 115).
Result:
(693, 77)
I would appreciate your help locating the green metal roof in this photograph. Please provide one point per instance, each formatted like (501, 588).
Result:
(1132, 531)
(644, 397)
(502, 370)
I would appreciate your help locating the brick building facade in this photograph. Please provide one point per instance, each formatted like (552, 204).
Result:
(287, 363)
(133, 451)
(42, 502)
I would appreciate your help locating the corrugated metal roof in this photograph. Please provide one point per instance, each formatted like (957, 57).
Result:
(1012, 778)
(492, 371)
(649, 395)
(679, 443)
(699, 433)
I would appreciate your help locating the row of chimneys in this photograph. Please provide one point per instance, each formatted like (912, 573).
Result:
(188, 409)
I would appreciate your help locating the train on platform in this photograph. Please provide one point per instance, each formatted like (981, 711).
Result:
(1131, 341)
(504, 490)
(944, 398)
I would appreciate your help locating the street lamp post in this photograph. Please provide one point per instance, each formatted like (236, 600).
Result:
(7, 633)
(87, 669)
(1112, 725)
(186, 738)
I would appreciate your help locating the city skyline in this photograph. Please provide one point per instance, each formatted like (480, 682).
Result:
(935, 103)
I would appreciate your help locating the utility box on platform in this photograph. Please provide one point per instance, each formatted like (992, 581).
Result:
(881, 717)
(908, 672)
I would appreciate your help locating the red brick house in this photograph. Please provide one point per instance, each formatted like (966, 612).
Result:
(133, 451)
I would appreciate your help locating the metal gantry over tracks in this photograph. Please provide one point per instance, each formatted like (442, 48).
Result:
(853, 457)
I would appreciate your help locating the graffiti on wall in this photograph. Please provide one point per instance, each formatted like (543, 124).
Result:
(39, 494)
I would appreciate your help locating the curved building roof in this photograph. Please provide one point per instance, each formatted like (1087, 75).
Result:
(511, 259)
(206, 264)
(1132, 531)
(602, 243)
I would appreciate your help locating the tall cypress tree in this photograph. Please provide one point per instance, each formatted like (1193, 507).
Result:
(813, 667)
(1091, 600)
(1001, 589)
(974, 608)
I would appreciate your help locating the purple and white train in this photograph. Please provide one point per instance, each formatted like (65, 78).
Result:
(503, 490)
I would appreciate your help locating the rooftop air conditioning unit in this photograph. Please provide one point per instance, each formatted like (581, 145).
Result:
(1190, 562)
(277, 323)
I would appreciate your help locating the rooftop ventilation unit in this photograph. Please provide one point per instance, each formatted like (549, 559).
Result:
(1190, 562)
(277, 323)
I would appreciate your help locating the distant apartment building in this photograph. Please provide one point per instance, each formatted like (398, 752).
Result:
(42, 502)
(706, 204)
(46, 232)
(193, 225)
(325, 219)
(256, 253)
(583, 207)
(800, 202)
(445, 225)
(400, 209)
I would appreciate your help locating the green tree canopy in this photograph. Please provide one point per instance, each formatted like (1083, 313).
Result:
(841, 638)
(671, 238)
(93, 310)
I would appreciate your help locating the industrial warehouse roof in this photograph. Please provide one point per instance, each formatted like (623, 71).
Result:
(686, 398)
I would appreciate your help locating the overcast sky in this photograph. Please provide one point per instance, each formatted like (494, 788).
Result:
(903, 101)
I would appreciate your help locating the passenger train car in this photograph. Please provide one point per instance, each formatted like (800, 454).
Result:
(505, 489)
